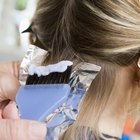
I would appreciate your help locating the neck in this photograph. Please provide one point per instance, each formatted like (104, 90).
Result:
(124, 95)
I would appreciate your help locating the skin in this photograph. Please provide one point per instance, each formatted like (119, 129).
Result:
(11, 126)
(110, 123)
(125, 94)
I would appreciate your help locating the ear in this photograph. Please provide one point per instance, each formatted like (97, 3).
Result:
(138, 63)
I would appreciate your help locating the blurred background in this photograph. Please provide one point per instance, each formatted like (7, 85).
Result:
(15, 16)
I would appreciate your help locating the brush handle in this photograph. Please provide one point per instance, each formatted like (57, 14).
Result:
(36, 102)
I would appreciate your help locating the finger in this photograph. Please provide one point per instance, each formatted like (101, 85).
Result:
(8, 87)
(10, 67)
(10, 111)
(21, 130)
(4, 103)
(0, 114)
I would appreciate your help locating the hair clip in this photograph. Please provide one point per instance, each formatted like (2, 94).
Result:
(28, 30)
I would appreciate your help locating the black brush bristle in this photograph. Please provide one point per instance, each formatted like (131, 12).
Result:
(31, 79)
(52, 78)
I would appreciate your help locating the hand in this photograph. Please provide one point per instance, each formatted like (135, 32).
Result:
(11, 127)
(9, 83)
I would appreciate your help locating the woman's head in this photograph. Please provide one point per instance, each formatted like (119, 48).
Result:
(107, 31)
(104, 30)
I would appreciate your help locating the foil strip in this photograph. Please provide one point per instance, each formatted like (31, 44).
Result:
(81, 77)
(60, 120)
(33, 56)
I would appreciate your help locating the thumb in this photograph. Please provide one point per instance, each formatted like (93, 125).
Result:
(10, 67)
(21, 130)
(8, 86)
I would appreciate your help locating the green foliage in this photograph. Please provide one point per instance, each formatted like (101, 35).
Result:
(21, 4)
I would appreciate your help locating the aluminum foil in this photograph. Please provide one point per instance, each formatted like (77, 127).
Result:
(33, 56)
(81, 77)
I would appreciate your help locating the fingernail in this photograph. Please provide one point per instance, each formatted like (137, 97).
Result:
(12, 102)
(38, 130)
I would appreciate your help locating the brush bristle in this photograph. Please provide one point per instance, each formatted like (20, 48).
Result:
(52, 78)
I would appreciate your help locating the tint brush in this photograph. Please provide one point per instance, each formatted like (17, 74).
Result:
(45, 91)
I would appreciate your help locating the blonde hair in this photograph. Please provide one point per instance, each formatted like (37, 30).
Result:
(104, 30)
